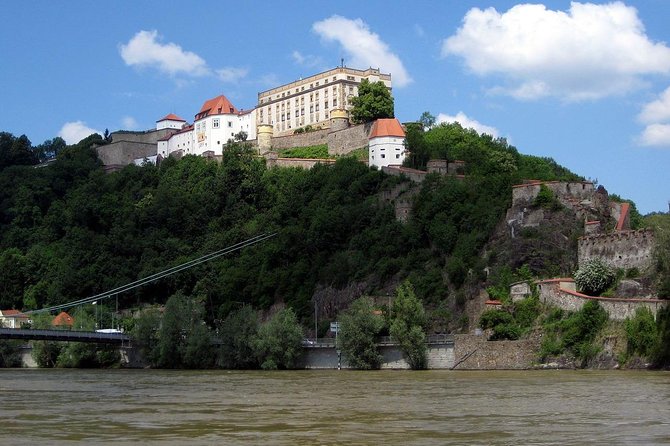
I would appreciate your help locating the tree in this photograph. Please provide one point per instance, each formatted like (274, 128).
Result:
(170, 336)
(145, 334)
(238, 332)
(408, 322)
(427, 120)
(359, 327)
(278, 344)
(374, 101)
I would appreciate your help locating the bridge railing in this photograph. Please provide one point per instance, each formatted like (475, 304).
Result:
(63, 335)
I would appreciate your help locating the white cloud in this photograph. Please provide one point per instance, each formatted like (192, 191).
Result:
(129, 123)
(656, 116)
(658, 110)
(588, 52)
(468, 123)
(231, 74)
(363, 47)
(144, 49)
(657, 135)
(73, 132)
(305, 60)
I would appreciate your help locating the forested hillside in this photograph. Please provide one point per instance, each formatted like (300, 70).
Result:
(68, 230)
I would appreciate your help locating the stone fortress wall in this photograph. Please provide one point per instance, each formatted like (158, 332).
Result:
(562, 293)
(621, 249)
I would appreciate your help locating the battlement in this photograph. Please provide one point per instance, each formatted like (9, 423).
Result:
(524, 194)
(621, 249)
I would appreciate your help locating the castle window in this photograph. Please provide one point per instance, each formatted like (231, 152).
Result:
(230, 124)
(325, 104)
(334, 102)
(317, 107)
(383, 156)
(215, 123)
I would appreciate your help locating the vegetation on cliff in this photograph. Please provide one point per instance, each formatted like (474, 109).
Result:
(69, 230)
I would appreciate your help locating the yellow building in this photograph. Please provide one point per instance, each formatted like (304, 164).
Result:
(310, 101)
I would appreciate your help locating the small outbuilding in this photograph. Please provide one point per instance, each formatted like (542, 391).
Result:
(386, 143)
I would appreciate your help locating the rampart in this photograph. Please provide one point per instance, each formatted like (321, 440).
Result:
(414, 175)
(341, 142)
(524, 194)
(129, 146)
(621, 249)
(313, 138)
(303, 163)
(561, 293)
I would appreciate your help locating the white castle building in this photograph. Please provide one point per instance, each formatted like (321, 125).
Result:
(302, 103)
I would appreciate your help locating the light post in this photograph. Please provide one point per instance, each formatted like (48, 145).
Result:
(316, 323)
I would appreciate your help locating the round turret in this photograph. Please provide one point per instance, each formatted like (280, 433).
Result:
(264, 138)
(339, 119)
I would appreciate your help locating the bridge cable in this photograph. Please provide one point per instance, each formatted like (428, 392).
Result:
(161, 274)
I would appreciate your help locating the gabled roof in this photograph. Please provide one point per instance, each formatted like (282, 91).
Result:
(171, 117)
(387, 127)
(217, 106)
(63, 319)
(13, 314)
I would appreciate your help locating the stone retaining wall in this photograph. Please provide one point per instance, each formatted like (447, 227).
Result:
(561, 293)
(440, 356)
(474, 352)
(621, 249)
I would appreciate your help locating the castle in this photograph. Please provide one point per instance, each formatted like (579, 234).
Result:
(309, 111)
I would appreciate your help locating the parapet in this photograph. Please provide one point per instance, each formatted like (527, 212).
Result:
(621, 249)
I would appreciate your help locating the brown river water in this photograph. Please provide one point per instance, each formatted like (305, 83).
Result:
(334, 407)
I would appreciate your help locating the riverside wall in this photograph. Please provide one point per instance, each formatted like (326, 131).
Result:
(475, 352)
(440, 356)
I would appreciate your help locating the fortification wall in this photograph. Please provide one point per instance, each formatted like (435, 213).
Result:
(314, 138)
(413, 174)
(473, 352)
(128, 146)
(303, 163)
(621, 249)
(524, 194)
(560, 293)
(344, 141)
(125, 152)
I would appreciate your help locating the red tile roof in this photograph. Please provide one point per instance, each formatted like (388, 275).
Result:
(216, 106)
(387, 127)
(625, 209)
(14, 314)
(63, 319)
(171, 117)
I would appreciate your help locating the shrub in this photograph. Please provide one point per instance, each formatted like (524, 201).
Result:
(594, 277)
(641, 332)
(503, 324)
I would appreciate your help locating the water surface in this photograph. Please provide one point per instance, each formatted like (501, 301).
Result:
(334, 407)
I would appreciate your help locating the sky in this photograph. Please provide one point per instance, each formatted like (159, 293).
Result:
(587, 84)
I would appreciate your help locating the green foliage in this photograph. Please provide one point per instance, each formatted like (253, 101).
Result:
(642, 333)
(660, 223)
(278, 344)
(374, 101)
(546, 199)
(594, 277)
(408, 325)
(145, 334)
(574, 332)
(10, 353)
(661, 354)
(359, 327)
(503, 324)
(237, 333)
(314, 152)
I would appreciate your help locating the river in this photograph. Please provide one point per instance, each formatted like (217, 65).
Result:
(334, 407)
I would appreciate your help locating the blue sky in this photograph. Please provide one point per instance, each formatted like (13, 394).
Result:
(585, 83)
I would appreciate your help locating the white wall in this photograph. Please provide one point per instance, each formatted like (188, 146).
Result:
(386, 150)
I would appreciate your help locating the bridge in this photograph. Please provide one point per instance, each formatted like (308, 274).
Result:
(64, 335)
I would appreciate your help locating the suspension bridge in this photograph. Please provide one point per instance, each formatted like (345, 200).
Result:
(114, 336)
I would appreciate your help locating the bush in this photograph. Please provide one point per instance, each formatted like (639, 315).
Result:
(359, 329)
(641, 333)
(278, 344)
(594, 277)
(503, 324)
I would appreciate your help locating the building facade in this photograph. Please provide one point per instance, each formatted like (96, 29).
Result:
(387, 143)
(217, 122)
(311, 100)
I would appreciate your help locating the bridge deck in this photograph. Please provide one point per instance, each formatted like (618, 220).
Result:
(64, 335)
